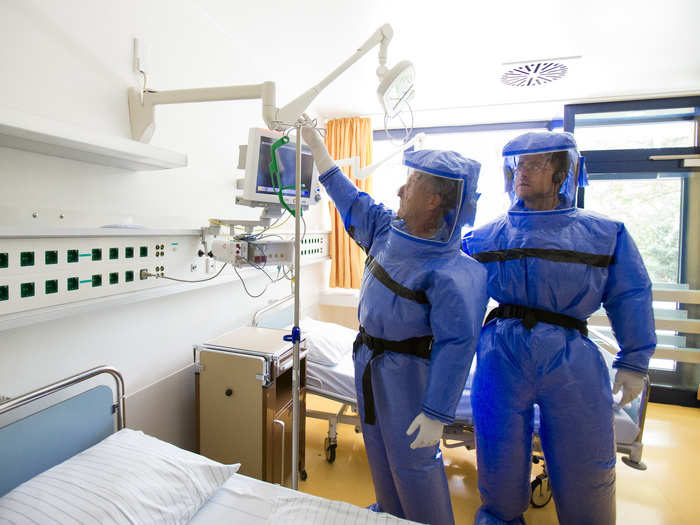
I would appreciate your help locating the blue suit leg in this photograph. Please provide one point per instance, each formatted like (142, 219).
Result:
(387, 497)
(502, 401)
(484, 517)
(577, 433)
(399, 383)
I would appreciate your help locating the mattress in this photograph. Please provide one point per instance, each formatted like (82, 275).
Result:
(332, 381)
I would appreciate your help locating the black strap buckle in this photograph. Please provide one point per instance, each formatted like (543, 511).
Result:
(529, 320)
(418, 346)
(529, 317)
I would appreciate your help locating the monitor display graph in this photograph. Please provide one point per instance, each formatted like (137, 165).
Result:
(287, 166)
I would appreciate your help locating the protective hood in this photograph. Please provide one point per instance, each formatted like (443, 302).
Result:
(455, 178)
(539, 142)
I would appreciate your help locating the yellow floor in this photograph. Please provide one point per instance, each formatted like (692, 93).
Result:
(667, 493)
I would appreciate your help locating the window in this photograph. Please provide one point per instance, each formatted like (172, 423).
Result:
(651, 211)
(619, 141)
(636, 129)
(635, 154)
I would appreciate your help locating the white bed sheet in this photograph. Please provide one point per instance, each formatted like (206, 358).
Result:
(339, 380)
(253, 502)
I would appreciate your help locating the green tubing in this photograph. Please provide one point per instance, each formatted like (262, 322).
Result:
(274, 172)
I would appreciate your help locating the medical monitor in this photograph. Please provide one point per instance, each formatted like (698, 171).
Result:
(261, 186)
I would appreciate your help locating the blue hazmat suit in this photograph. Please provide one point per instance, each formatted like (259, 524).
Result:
(413, 288)
(569, 261)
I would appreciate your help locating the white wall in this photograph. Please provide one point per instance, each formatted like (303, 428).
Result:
(70, 61)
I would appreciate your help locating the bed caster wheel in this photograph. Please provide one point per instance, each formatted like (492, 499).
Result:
(303, 475)
(330, 453)
(541, 491)
(330, 450)
(637, 465)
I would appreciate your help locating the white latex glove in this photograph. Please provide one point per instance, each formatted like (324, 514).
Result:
(429, 431)
(322, 158)
(631, 384)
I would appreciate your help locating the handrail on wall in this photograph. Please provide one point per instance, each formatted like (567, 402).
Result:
(684, 326)
(677, 296)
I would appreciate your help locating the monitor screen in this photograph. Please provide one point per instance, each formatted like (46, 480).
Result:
(286, 162)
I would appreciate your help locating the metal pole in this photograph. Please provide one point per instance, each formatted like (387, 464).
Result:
(295, 368)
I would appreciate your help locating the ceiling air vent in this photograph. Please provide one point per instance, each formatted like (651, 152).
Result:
(534, 74)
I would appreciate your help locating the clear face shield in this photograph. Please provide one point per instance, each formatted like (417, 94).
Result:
(543, 180)
(429, 206)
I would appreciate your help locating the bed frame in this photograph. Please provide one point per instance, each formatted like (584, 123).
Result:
(49, 436)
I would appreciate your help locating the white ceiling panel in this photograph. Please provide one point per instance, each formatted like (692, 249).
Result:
(626, 48)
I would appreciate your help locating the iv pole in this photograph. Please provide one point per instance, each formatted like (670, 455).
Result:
(296, 335)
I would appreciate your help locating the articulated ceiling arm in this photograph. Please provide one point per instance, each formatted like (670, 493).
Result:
(289, 114)
(142, 103)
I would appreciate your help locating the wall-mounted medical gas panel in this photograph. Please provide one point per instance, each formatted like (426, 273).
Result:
(40, 271)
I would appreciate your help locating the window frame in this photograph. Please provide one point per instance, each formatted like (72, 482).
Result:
(381, 134)
(621, 164)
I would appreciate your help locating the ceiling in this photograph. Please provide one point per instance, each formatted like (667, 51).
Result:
(626, 48)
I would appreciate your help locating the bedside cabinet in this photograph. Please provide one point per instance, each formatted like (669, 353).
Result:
(244, 391)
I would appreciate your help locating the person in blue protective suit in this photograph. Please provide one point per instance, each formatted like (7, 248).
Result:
(422, 302)
(550, 266)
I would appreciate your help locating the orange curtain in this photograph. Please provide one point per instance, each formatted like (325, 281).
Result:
(348, 137)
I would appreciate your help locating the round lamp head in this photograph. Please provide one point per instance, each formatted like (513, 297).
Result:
(396, 87)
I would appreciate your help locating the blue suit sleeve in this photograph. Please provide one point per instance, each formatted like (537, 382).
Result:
(362, 217)
(457, 306)
(627, 300)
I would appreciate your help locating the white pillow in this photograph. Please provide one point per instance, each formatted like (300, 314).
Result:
(128, 477)
(326, 343)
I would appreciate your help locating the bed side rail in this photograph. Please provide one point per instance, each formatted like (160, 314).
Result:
(257, 316)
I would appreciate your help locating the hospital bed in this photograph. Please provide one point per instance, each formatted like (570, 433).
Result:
(335, 381)
(75, 461)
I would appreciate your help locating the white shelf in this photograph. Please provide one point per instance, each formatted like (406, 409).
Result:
(38, 233)
(30, 133)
